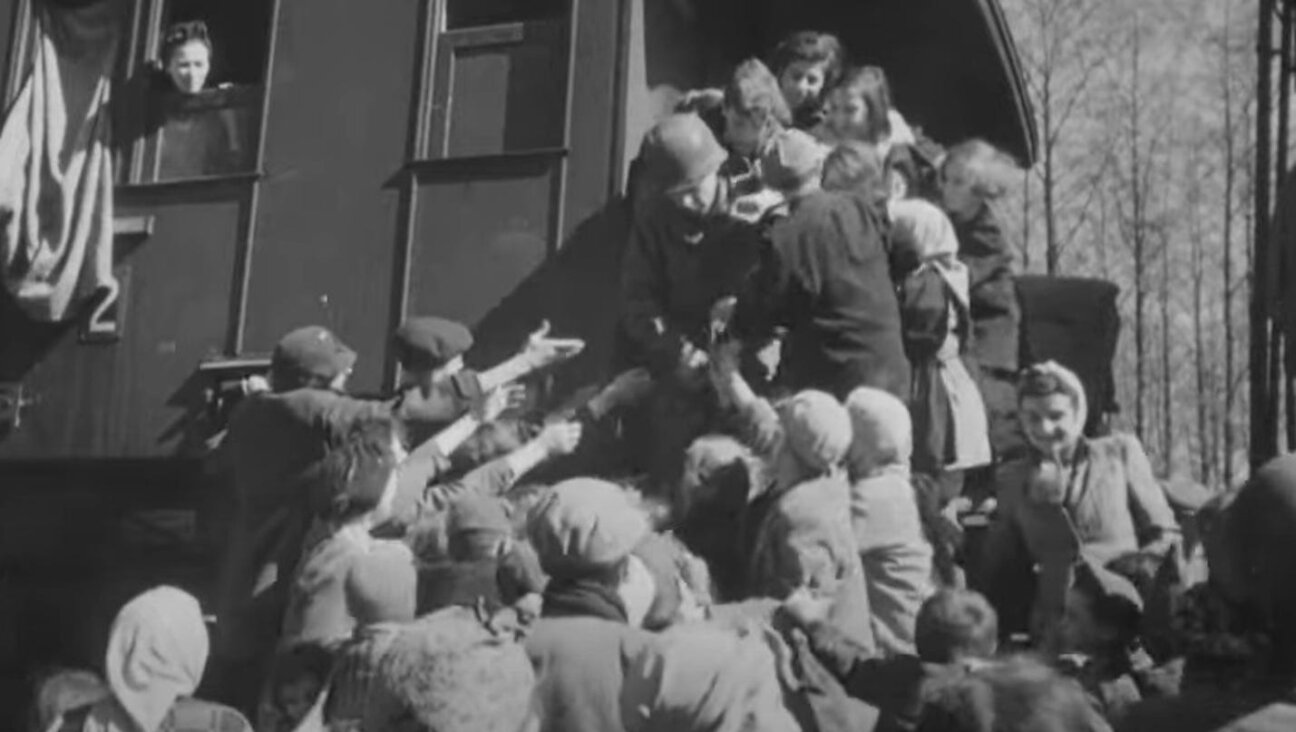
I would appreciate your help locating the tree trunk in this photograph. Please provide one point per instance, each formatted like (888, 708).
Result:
(1230, 163)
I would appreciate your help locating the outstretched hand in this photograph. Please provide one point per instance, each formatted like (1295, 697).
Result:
(561, 438)
(541, 350)
(493, 405)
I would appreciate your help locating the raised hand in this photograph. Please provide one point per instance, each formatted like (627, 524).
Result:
(492, 406)
(561, 438)
(541, 350)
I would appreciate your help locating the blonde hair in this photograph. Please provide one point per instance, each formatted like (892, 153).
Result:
(855, 166)
(990, 170)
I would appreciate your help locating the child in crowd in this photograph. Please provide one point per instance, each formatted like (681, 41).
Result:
(754, 113)
(888, 529)
(859, 108)
(352, 492)
(949, 415)
(956, 634)
(972, 176)
(1019, 694)
(380, 594)
(807, 63)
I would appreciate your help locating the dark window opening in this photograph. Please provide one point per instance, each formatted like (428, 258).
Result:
(476, 13)
(212, 128)
(240, 36)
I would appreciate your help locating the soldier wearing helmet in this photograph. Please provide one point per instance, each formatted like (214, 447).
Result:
(687, 251)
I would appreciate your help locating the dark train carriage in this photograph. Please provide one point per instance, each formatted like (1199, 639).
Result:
(357, 162)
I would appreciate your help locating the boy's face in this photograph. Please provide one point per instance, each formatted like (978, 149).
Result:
(848, 114)
(745, 134)
(802, 82)
(697, 198)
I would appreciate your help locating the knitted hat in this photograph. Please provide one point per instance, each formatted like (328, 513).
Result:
(817, 429)
(584, 525)
(792, 159)
(382, 586)
(311, 352)
(423, 344)
(680, 150)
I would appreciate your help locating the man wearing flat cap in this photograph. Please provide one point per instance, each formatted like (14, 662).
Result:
(276, 437)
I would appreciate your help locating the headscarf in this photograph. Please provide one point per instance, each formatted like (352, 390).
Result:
(1049, 483)
(157, 650)
(816, 429)
(704, 680)
(883, 433)
(923, 230)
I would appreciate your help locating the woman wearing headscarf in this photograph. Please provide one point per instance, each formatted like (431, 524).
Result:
(935, 310)
(1073, 498)
(157, 650)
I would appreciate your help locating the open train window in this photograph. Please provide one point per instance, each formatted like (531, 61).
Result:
(206, 89)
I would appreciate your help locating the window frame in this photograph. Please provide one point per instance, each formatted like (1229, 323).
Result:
(145, 41)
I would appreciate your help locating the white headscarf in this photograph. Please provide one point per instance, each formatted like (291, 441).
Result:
(883, 434)
(923, 228)
(156, 654)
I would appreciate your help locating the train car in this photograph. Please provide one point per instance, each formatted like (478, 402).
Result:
(353, 163)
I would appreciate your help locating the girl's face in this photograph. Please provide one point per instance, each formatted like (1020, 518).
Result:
(297, 696)
(958, 195)
(745, 135)
(848, 115)
(698, 198)
(802, 83)
(1052, 423)
(188, 67)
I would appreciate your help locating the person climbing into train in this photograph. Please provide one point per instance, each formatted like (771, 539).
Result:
(686, 253)
(972, 176)
(807, 64)
(824, 276)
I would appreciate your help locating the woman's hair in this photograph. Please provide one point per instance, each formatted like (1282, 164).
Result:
(855, 166)
(351, 479)
(810, 47)
(954, 625)
(989, 170)
(753, 92)
(179, 34)
(870, 84)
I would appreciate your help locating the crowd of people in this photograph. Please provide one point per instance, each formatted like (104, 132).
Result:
(762, 523)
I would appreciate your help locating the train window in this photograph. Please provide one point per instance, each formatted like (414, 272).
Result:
(208, 89)
(475, 13)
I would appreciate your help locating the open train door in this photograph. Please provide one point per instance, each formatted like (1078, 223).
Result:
(1074, 321)
(953, 66)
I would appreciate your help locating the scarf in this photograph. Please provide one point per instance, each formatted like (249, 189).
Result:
(575, 598)
(156, 653)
